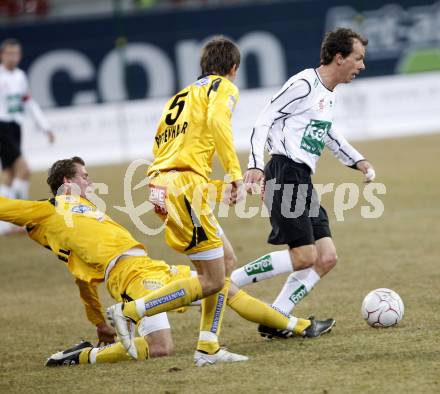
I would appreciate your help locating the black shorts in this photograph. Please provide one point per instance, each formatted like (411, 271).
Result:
(296, 216)
(10, 143)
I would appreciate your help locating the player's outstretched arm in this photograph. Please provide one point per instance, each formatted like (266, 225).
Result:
(90, 298)
(23, 212)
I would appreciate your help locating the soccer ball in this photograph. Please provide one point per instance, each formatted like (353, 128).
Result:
(382, 308)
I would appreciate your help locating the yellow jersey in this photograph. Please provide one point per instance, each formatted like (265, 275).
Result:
(79, 234)
(195, 124)
(74, 229)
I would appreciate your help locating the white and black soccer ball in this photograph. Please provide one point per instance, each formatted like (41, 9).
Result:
(382, 308)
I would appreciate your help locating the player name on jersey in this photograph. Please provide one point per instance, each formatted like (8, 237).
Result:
(170, 133)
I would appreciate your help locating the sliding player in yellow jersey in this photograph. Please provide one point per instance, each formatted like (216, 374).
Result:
(195, 124)
(96, 249)
(91, 243)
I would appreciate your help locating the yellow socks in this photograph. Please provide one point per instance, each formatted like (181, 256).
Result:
(213, 308)
(174, 295)
(113, 353)
(301, 325)
(252, 309)
(257, 311)
(84, 355)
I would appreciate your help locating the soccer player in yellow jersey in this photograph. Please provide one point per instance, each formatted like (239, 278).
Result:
(195, 124)
(91, 243)
(96, 249)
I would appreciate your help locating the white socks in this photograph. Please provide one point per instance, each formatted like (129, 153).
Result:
(6, 191)
(297, 286)
(20, 188)
(298, 283)
(265, 267)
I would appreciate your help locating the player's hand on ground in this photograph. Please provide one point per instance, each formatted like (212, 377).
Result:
(367, 169)
(254, 181)
(106, 334)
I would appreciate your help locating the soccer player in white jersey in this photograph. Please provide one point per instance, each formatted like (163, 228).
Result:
(295, 126)
(15, 98)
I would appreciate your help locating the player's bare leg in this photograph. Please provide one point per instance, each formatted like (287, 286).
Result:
(21, 176)
(327, 257)
(160, 343)
(7, 178)
(6, 183)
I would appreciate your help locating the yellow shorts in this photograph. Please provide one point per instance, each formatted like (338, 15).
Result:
(134, 277)
(183, 200)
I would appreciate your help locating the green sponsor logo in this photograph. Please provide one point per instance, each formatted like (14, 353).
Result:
(14, 103)
(263, 264)
(313, 138)
(298, 294)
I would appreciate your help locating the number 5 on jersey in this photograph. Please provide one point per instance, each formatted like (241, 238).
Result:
(179, 102)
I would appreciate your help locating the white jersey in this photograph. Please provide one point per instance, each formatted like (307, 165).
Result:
(15, 98)
(297, 123)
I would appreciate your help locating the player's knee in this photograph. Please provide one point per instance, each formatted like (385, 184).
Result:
(218, 285)
(214, 285)
(162, 349)
(25, 172)
(21, 169)
(305, 260)
(327, 261)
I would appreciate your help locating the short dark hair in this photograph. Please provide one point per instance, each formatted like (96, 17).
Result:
(339, 41)
(9, 42)
(60, 169)
(218, 56)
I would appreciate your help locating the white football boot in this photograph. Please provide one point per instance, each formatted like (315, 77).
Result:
(124, 327)
(222, 356)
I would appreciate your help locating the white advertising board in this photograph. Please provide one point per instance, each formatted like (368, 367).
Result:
(111, 133)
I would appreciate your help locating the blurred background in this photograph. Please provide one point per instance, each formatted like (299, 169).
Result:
(103, 69)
